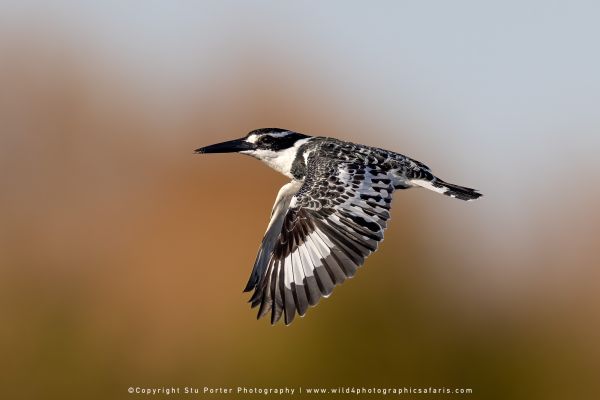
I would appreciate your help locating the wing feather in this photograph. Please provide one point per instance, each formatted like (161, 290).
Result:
(320, 233)
(322, 277)
(298, 285)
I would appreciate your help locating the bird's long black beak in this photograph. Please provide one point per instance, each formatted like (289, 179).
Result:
(232, 146)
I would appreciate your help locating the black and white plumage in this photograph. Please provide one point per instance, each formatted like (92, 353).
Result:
(329, 218)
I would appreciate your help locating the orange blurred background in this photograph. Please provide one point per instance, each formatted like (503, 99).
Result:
(123, 255)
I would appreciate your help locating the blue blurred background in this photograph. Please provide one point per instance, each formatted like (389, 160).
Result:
(123, 255)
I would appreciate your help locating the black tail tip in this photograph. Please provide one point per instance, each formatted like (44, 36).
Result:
(462, 193)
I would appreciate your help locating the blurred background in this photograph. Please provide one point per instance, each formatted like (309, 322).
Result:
(123, 255)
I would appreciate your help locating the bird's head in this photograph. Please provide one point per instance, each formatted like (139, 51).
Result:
(274, 146)
(260, 143)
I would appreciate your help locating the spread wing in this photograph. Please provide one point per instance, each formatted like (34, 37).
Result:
(320, 232)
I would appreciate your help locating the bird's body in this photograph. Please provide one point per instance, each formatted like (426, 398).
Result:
(329, 218)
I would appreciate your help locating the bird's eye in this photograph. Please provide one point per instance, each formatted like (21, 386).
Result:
(267, 139)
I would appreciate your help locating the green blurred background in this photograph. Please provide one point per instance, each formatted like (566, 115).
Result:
(123, 255)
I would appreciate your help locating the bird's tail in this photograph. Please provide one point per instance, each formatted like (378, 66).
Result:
(449, 189)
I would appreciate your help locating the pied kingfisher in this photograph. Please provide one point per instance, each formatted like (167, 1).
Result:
(328, 218)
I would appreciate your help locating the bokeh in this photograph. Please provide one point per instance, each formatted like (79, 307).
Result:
(123, 255)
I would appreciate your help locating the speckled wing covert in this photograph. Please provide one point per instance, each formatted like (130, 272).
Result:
(321, 231)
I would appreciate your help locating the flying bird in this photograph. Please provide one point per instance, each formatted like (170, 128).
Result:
(328, 218)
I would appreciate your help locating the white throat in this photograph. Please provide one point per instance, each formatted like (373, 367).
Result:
(280, 161)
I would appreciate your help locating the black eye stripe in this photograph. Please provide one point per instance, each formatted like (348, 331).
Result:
(277, 143)
(284, 143)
